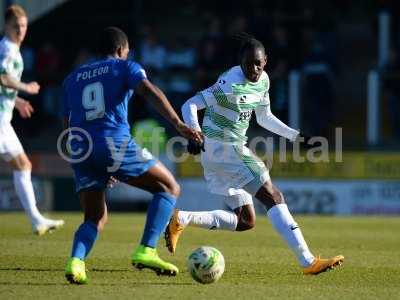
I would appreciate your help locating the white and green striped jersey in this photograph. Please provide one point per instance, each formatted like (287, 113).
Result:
(230, 103)
(11, 63)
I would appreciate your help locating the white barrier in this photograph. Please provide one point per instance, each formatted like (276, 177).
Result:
(303, 196)
(43, 192)
(342, 197)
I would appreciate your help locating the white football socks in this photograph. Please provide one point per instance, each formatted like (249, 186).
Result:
(216, 219)
(288, 229)
(26, 194)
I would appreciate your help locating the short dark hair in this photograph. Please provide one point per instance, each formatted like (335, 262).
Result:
(13, 12)
(248, 42)
(110, 39)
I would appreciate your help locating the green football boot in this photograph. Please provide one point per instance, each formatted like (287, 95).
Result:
(146, 257)
(75, 271)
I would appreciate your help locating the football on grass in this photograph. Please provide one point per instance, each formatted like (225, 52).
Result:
(206, 264)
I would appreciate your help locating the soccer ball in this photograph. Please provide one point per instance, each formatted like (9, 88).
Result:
(206, 264)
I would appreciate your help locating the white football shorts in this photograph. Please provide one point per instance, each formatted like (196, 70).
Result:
(10, 146)
(231, 169)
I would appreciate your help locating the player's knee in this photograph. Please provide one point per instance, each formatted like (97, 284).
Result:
(277, 196)
(244, 225)
(102, 223)
(246, 219)
(26, 164)
(269, 195)
(21, 163)
(252, 222)
(98, 219)
(174, 189)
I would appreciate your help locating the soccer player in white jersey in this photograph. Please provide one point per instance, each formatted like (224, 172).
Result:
(230, 168)
(11, 66)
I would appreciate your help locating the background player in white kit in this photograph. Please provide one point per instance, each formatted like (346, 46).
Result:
(230, 168)
(11, 67)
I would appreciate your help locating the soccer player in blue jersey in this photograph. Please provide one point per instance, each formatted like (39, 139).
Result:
(96, 97)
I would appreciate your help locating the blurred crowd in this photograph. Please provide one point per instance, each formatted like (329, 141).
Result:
(390, 70)
(180, 65)
(182, 61)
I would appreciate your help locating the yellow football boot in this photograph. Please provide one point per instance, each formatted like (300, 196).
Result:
(75, 271)
(173, 231)
(321, 265)
(146, 257)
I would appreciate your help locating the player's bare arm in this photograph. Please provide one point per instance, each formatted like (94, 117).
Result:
(24, 108)
(158, 99)
(30, 88)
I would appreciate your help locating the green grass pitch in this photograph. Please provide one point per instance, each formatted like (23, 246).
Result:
(258, 263)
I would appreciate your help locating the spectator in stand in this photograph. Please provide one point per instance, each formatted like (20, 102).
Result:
(237, 25)
(318, 88)
(181, 59)
(181, 55)
(28, 56)
(48, 69)
(280, 43)
(210, 60)
(152, 54)
(279, 91)
(33, 127)
(391, 83)
(214, 31)
(209, 63)
(84, 57)
(279, 66)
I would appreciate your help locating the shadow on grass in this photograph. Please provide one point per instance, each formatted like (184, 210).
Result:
(148, 283)
(32, 283)
(59, 270)
(97, 284)
(92, 270)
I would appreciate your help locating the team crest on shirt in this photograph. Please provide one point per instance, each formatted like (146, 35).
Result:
(242, 99)
(245, 115)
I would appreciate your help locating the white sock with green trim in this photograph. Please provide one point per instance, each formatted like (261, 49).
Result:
(288, 229)
(216, 219)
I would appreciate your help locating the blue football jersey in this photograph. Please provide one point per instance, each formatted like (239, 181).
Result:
(96, 96)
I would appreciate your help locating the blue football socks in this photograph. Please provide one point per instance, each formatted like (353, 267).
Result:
(158, 214)
(84, 239)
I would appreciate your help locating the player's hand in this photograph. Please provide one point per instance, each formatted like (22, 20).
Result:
(189, 133)
(24, 108)
(32, 88)
(194, 147)
(111, 182)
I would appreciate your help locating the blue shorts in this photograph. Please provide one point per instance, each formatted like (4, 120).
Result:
(122, 159)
